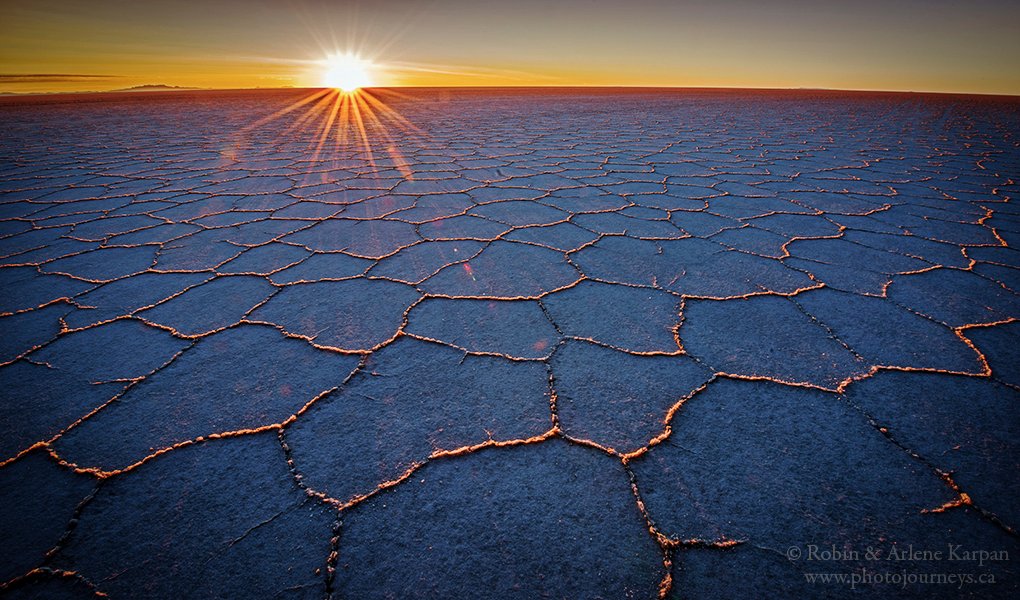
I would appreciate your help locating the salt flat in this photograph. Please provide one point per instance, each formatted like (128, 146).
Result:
(571, 343)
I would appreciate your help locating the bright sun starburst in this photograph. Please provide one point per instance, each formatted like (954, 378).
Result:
(347, 72)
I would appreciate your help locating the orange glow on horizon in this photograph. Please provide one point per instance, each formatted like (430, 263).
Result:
(69, 46)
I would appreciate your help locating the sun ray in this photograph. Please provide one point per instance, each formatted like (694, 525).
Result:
(345, 116)
(400, 162)
(311, 113)
(287, 109)
(360, 124)
(327, 126)
(389, 112)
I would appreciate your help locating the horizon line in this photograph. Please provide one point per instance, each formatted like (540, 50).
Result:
(174, 89)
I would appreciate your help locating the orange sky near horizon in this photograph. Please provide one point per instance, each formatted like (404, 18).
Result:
(937, 45)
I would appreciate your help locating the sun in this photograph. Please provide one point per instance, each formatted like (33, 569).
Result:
(347, 72)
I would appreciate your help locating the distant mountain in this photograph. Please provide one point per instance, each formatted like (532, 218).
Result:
(154, 88)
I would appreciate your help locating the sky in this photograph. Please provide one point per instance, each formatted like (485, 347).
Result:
(906, 45)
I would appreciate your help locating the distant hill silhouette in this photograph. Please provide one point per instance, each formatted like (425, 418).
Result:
(154, 88)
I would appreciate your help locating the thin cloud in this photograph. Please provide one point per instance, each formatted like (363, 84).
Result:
(466, 71)
(51, 77)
